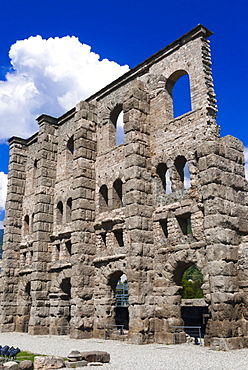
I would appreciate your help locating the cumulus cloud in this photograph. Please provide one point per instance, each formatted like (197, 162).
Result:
(49, 76)
(3, 190)
(1, 224)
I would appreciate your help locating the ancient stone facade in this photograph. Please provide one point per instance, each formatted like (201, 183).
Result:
(81, 210)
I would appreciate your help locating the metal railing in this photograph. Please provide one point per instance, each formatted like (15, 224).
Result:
(113, 331)
(179, 334)
(64, 329)
(121, 295)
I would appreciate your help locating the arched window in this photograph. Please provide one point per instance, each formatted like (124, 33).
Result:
(178, 87)
(182, 173)
(59, 213)
(164, 175)
(117, 194)
(120, 129)
(68, 210)
(186, 180)
(192, 281)
(69, 154)
(70, 145)
(26, 225)
(117, 130)
(103, 198)
(35, 173)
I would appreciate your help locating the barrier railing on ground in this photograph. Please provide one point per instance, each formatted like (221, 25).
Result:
(180, 332)
(113, 331)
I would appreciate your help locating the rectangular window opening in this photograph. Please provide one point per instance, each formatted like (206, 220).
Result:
(119, 237)
(164, 227)
(184, 222)
(68, 246)
(104, 239)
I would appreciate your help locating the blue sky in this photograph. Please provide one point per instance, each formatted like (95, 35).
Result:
(124, 32)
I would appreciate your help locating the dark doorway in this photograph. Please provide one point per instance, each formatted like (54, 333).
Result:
(119, 285)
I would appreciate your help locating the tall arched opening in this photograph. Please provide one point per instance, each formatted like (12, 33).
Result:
(24, 302)
(116, 118)
(119, 285)
(194, 309)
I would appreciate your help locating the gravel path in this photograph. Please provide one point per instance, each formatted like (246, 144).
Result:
(125, 356)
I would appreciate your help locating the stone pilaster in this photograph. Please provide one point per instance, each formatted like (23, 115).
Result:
(12, 233)
(138, 212)
(42, 225)
(83, 216)
(223, 188)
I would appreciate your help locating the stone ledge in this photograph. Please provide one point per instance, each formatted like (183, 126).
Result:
(109, 258)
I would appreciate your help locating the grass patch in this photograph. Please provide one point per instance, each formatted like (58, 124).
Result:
(23, 355)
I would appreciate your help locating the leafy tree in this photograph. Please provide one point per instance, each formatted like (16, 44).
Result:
(192, 281)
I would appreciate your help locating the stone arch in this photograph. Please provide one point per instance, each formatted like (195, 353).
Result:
(163, 173)
(34, 177)
(59, 213)
(172, 273)
(117, 194)
(60, 303)
(24, 303)
(111, 124)
(170, 84)
(103, 198)
(121, 314)
(116, 129)
(68, 209)
(194, 311)
(69, 154)
(26, 225)
(107, 276)
(181, 174)
(65, 155)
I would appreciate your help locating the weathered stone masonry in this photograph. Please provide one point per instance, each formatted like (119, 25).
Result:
(82, 211)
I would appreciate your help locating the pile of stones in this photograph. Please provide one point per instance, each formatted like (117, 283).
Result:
(75, 359)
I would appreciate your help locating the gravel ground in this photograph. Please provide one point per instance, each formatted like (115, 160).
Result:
(125, 356)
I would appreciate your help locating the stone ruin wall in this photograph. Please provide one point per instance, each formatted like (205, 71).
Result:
(60, 268)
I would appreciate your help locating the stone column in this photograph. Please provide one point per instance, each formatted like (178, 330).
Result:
(12, 233)
(43, 224)
(83, 216)
(138, 212)
(223, 186)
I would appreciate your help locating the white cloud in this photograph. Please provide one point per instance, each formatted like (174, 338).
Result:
(3, 190)
(49, 76)
(246, 161)
(1, 225)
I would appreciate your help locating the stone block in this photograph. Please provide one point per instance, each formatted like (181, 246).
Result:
(48, 362)
(96, 356)
(26, 365)
(10, 365)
